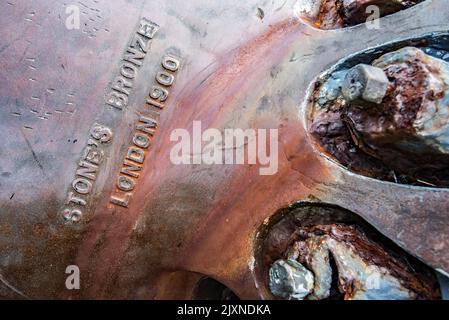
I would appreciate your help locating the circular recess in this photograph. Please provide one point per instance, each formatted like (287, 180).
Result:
(345, 256)
(384, 112)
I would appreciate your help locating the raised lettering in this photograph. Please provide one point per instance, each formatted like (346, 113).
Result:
(146, 125)
(123, 202)
(82, 185)
(165, 79)
(117, 100)
(141, 140)
(125, 183)
(130, 169)
(128, 70)
(136, 155)
(87, 170)
(170, 63)
(73, 215)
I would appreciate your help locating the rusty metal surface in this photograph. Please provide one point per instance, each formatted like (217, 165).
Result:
(348, 259)
(331, 14)
(237, 70)
(394, 124)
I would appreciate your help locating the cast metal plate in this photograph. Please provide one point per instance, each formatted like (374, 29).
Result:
(182, 221)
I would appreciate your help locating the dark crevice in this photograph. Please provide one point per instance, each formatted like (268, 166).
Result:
(210, 289)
